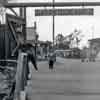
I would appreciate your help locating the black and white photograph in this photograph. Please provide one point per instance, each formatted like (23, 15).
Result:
(49, 49)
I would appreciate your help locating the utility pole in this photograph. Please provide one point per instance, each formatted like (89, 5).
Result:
(53, 26)
(36, 38)
(92, 32)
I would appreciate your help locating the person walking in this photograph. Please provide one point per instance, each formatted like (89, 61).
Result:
(29, 49)
(51, 61)
(31, 56)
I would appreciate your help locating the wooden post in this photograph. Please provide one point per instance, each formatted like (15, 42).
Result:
(23, 15)
(22, 95)
(20, 75)
(53, 25)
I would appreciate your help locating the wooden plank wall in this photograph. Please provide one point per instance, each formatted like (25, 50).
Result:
(2, 41)
(7, 43)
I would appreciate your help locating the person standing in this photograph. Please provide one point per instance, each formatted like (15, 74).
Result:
(51, 61)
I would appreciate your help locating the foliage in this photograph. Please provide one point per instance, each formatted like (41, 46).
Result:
(60, 43)
(70, 41)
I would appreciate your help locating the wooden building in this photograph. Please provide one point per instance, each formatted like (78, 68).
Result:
(94, 46)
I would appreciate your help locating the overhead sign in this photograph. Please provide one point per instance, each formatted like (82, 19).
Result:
(64, 12)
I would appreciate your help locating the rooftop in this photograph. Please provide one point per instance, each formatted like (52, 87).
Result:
(94, 40)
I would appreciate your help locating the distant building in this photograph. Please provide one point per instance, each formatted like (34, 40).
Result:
(92, 53)
(94, 45)
(31, 33)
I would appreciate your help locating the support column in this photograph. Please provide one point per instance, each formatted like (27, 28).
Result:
(23, 15)
(53, 26)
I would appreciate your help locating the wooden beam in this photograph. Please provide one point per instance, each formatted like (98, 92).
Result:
(8, 60)
(13, 11)
(57, 4)
(13, 32)
(15, 19)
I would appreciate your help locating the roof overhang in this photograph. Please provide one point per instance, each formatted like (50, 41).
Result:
(50, 4)
(94, 40)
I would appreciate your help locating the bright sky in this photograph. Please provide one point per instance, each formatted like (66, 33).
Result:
(65, 24)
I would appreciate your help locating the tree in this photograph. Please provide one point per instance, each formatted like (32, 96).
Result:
(61, 42)
(70, 41)
(76, 37)
(59, 38)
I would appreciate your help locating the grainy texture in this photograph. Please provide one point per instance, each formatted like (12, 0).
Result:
(71, 80)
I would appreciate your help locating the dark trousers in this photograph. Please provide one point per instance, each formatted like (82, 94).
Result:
(51, 63)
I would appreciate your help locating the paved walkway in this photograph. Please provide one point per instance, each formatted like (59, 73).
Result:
(71, 80)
